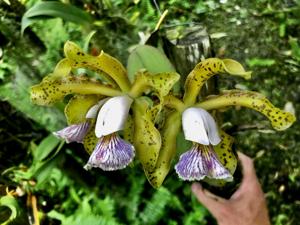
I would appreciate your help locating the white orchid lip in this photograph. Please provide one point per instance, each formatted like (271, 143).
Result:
(93, 111)
(200, 127)
(112, 115)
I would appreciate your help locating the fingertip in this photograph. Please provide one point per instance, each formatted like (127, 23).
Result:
(244, 158)
(196, 187)
(247, 165)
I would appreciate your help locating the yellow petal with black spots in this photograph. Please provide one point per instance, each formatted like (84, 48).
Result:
(102, 63)
(128, 131)
(205, 70)
(51, 90)
(147, 139)
(280, 120)
(90, 140)
(78, 106)
(167, 152)
(63, 68)
(160, 83)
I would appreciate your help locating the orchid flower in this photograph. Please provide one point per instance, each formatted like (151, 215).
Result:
(210, 158)
(99, 110)
(201, 160)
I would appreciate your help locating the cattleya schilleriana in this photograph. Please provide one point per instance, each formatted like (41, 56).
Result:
(99, 109)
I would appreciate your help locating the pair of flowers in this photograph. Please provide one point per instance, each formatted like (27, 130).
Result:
(114, 153)
(101, 110)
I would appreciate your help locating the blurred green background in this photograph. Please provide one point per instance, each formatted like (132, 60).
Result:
(264, 35)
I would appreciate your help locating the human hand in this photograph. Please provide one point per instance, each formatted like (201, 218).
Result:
(247, 206)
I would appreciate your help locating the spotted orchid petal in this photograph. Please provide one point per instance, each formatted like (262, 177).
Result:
(199, 162)
(111, 153)
(205, 70)
(280, 120)
(90, 140)
(112, 115)
(53, 89)
(167, 152)
(200, 127)
(114, 70)
(78, 107)
(74, 133)
(160, 84)
(147, 139)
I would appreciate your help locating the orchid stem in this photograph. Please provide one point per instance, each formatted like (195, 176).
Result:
(138, 87)
(173, 102)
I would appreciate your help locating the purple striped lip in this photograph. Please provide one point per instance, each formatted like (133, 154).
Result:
(111, 153)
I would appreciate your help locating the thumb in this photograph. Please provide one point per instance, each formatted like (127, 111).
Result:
(213, 203)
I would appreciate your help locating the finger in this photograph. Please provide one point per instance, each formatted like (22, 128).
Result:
(247, 166)
(249, 177)
(212, 202)
(213, 196)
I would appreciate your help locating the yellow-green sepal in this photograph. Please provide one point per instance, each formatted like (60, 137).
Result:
(63, 68)
(128, 132)
(53, 89)
(168, 150)
(160, 84)
(102, 63)
(205, 70)
(90, 140)
(280, 120)
(147, 139)
(226, 156)
(78, 106)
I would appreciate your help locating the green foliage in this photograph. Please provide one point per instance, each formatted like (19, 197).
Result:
(260, 62)
(54, 9)
(145, 57)
(11, 203)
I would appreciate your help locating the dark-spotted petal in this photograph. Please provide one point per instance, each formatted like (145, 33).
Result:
(200, 162)
(74, 132)
(111, 153)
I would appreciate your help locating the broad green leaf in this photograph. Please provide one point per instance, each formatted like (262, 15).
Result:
(102, 63)
(147, 140)
(280, 120)
(46, 9)
(205, 70)
(51, 90)
(170, 131)
(10, 202)
(145, 57)
(47, 145)
(78, 106)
